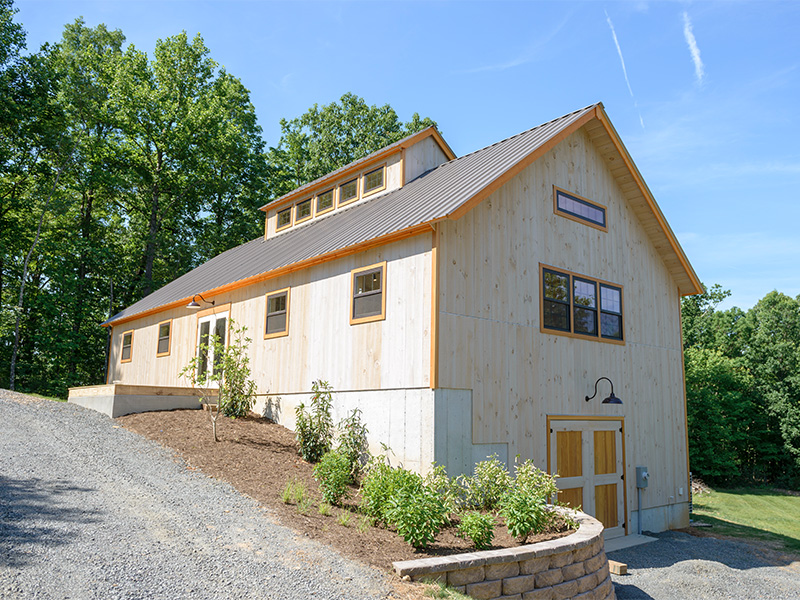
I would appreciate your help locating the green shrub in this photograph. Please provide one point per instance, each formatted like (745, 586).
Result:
(524, 514)
(447, 489)
(478, 528)
(380, 483)
(535, 481)
(486, 487)
(315, 429)
(524, 505)
(237, 392)
(352, 442)
(333, 474)
(416, 512)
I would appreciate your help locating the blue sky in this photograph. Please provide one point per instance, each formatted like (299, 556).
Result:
(704, 94)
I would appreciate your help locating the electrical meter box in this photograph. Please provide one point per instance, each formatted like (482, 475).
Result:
(641, 477)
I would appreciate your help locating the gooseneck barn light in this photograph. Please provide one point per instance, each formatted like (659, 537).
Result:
(194, 305)
(612, 399)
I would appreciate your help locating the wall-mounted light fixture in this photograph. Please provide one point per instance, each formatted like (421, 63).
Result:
(612, 399)
(194, 305)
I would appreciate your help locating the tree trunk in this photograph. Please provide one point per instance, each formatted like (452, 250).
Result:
(15, 349)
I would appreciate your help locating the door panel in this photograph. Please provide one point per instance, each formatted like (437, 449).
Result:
(587, 456)
(605, 504)
(570, 453)
(605, 455)
(571, 497)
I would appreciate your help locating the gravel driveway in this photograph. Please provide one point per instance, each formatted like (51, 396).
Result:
(681, 566)
(91, 510)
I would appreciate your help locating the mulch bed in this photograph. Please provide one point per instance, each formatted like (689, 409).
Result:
(259, 458)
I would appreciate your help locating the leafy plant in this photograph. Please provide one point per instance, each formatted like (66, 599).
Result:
(229, 380)
(324, 509)
(524, 514)
(447, 489)
(478, 528)
(486, 487)
(344, 518)
(333, 474)
(315, 429)
(352, 442)
(416, 512)
(380, 484)
(524, 505)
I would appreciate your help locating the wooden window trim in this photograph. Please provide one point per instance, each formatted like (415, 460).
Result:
(291, 218)
(363, 177)
(285, 332)
(571, 333)
(561, 212)
(169, 338)
(353, 274)
(296, 209)
(318, 212)
(339, 187)
(122, 346)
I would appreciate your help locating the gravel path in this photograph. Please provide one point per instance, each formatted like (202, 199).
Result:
(680, 566)
(91, 510)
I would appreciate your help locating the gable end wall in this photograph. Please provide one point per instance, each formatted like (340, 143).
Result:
(489, 322)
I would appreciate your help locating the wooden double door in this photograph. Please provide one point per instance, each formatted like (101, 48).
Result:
(589, 457)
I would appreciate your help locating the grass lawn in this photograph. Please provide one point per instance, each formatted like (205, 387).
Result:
(761, 514)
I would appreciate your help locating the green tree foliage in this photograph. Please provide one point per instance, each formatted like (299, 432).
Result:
(330, 136)
(743, 388)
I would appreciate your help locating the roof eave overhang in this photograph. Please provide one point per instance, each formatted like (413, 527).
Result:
(362, 163)
(304, 264)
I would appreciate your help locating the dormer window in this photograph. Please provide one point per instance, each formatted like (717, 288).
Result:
(284, 218)
(303, 211)
(325, 202)
(348, 191)
(374, 181)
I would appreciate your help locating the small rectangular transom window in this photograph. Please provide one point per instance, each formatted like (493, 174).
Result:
(369, 300)
(303, 211)
(127, 346)
(164, 330)
(348, 191)
(277, 319)
(325, 201)
(373, 181)
(284, 218)
(570, 304)
(580, 209)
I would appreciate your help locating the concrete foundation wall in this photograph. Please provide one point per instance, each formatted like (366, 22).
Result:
(116, 400)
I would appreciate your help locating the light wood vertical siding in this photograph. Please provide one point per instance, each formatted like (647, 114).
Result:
(423, 156)
(489, 330)
(389, 354)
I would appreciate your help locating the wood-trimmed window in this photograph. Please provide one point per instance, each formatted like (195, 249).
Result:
(580, 306)
(276, 320)
(579, 209)
(302, 211)
(127, 346)
(368, 293)
(284, 219)
(164, 338)
(348, 191)
(374, 181)
(325, 202)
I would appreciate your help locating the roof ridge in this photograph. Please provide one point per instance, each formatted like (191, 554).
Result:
(521, 133)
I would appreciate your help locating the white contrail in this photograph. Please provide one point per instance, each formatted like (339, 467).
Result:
(622, 60)
(699, 70)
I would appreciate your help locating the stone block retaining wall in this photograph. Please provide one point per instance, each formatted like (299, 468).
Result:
(574, 566)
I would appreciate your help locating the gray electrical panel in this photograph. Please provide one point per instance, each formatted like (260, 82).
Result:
(641, 477)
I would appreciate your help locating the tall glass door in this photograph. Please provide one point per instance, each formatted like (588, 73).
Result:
(208, 326)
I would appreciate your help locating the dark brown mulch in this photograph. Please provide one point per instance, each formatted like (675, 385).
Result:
(259, 458)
